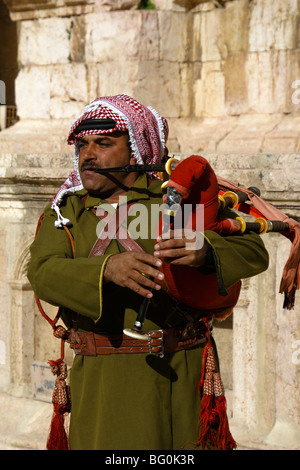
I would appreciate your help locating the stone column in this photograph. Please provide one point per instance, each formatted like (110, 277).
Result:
(27, 184)
(21, 338)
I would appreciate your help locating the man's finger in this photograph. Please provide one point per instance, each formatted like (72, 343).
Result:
(171, 253)
(143, 280)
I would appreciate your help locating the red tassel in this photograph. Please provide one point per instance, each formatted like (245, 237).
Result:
(224, 437)
(206, 434)
(58, 437)
(213, 427)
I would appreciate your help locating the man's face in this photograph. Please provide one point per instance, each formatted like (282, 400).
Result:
(105, 151)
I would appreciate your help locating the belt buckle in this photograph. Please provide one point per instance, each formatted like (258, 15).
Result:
(160, 353)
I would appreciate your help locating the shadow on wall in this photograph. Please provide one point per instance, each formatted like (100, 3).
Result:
(8, 67)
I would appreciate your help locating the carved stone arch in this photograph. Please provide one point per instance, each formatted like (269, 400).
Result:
(21, 322)
(21, 262)
(30, 336)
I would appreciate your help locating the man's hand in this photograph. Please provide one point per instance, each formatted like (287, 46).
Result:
(133, 270)
(182, 247)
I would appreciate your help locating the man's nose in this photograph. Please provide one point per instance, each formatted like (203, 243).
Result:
(90, 151)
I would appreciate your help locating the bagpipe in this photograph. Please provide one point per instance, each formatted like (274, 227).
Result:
(192, 181)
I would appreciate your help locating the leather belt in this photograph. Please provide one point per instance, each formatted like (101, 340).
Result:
(158, 342)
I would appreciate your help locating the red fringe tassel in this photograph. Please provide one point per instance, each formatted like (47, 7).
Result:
(213, 426)
(58, 438)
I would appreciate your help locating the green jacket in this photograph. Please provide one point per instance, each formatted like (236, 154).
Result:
(134, 401)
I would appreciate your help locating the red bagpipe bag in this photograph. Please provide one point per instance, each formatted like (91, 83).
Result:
(195, 179)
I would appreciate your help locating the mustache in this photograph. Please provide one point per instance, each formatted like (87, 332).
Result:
(89, 166)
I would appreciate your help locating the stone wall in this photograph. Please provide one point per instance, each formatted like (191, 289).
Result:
(225, 74)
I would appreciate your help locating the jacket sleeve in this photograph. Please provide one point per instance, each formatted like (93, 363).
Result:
(237, 257)
(60, 280)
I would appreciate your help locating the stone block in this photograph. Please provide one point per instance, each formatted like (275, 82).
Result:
(68, 90)
(285, 433)
(269, 81)
(24, 423)
(196, 38)
(153, 83)
(32, 135)
(111, 5)
(58, 8)
(44, 41)
(209, 91)
(159, 86)
(69, 81)
(185, 91)
(59, 108)
(33, 93)
(284, 137)
(273, 25)
(248, 133)
(212, 37)
(194, 136)
(168, 5)
(42, 381)
(292, 84)
(283, 176)
(130, 28)
(117, 77)
(236, 85)
(236, 26)
(280, 144)
(190, 4)
(54, 92)
(105, 43)
(150, 35)
(92, 72)
(76, 33)
(173, 36)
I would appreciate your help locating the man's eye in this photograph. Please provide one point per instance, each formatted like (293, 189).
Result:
(103, 144)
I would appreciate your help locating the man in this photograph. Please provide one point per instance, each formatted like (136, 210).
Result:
(127, 399)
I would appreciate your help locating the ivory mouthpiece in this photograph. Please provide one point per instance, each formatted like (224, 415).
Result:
(134, 334)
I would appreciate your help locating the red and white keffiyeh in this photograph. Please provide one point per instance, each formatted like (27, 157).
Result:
(148, 133)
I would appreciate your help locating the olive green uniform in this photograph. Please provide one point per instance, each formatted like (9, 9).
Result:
(126, 401)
